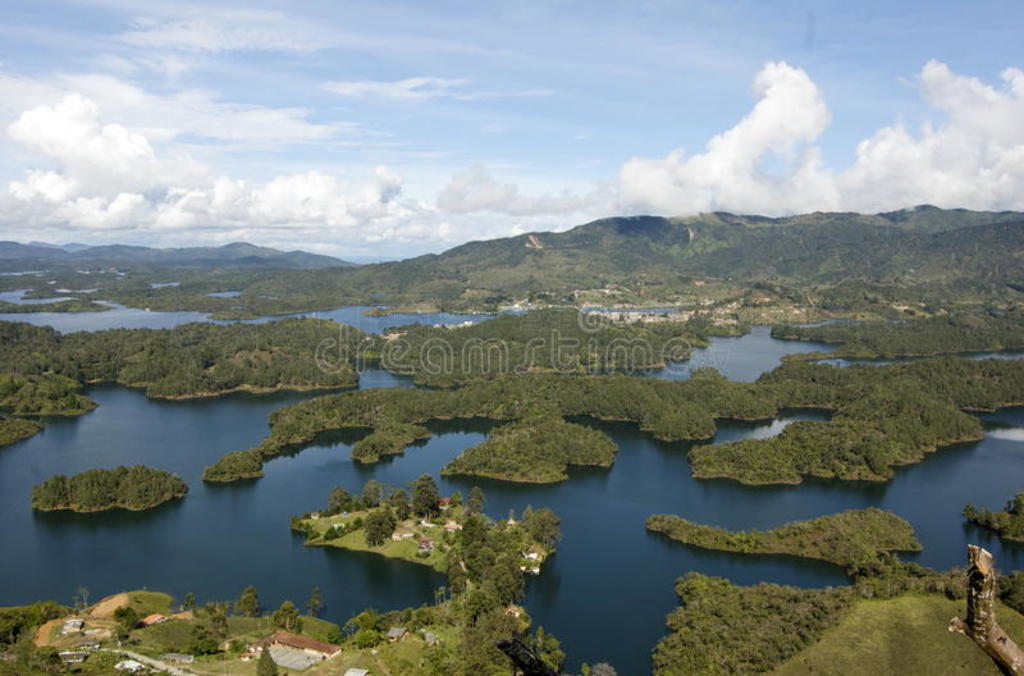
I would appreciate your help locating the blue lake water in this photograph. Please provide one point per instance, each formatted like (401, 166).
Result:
(605, 593)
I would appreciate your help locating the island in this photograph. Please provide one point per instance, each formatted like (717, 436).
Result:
(440, 532)
(537, 449)
(194, 360)
(847, 539)
(945, 334)
(134, 488)
(13, 430)
(1008, 523)
(44, 394)
(882, 416)
(391, 438)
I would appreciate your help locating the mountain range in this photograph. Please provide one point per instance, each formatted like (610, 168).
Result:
(924, 246)
(234, 255)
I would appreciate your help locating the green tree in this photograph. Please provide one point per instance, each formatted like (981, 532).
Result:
(550, 650)
(219, 622)
(399, 502)
(189, 602)
(286, 617)
(338, 500)
(248, 604)
(475, 502)
(126, 618)
(202, 642)
(507, 579)
(266, 665)
(456, 499)
(425, 496)
(378, 527)
(544, 527)
(373, 492)
(315, 602)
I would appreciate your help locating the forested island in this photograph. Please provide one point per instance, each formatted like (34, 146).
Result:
(947, 334)
(561, 340)
(193, 360)
(882, 416)
(15, 429)
(42, 395)
(850, 538)
(536, 449)
(36, 395)
(1009, 522)
(133, 488)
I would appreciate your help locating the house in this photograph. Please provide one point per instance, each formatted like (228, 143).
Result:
(425, 545)
(444, 503)
(130, 666)
(396, 633)
(311, 647)
(357, 672)
(452, 526)
(430, 637)
(72, 626)
(150, 620)
(178, 658)
(73, 656)
(533, 554)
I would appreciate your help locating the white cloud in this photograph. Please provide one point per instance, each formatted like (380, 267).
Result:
(225, 30)
(474, 190)
(164, 118)
(974, 159)
(790, 113)
(420, 88)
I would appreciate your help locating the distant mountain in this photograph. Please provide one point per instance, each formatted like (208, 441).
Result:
(234, 255)
(924, 245)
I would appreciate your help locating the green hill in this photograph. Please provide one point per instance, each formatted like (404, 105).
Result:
(904, 635)
(958, 250)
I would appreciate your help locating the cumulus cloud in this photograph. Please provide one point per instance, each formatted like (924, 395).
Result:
(973, 159)
(474, 190)
(165, 117)
(109, 177)
(419, 89)
(789, 114)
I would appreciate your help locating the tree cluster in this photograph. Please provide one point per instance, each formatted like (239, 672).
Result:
(134, 488)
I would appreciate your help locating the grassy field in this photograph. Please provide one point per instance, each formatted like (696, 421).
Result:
(405, 549)
(906, 635)
(147, 602)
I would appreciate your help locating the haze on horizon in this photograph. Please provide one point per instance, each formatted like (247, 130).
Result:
(390, 129)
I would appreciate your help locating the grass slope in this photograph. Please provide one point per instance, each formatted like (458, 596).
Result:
(905, 635)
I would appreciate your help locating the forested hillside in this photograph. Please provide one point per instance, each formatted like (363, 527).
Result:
(197, 359)
(842, 261)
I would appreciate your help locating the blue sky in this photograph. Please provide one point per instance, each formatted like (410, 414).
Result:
(393, 128)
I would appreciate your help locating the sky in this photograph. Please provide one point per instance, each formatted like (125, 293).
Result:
(389, 129)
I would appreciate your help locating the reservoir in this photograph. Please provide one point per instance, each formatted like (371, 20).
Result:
(605, 593)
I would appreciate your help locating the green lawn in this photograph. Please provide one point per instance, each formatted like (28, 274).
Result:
(405, 549)
(147, 602)
(906, 635)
